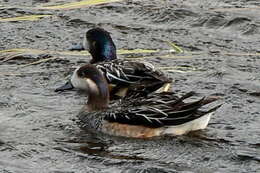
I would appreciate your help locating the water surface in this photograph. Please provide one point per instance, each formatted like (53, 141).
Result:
(38, 132)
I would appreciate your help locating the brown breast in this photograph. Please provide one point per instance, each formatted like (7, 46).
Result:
(134, 131)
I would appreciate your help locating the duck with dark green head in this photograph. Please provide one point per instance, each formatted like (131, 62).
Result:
(156, 114)
(99, 44)
(124, 77)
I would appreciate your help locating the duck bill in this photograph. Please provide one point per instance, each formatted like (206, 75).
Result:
(77, 47)
(67, 86)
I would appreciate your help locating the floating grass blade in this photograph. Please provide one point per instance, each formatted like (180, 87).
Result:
(24, 18)
(175, 47)
(10, 57)
(133, 51)
(120, 51)
(72, 53)
(38, 62)
(79, 4)
(19, 50)
(163, 56)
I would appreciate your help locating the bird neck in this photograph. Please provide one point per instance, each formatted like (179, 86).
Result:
(98, 98)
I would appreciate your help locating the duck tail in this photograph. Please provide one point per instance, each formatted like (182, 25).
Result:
(209, 111)
(180, 100)
(206, 101)
(210, 99)
(196, 105)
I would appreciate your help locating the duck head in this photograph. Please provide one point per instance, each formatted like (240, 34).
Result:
(74, 82)
(91, 80)
(100, 45)
(97, 87)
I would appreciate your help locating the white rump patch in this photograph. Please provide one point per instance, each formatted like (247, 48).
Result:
(197, 124)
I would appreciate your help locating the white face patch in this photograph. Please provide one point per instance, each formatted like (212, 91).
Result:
(92, 86)
(77, 82)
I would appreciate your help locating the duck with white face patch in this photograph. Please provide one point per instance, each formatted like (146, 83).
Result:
(155, 114)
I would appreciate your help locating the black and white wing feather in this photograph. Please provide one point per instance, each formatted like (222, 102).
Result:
(135, 75)
(166, 109)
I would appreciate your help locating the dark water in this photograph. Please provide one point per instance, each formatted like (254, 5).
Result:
(38, 132)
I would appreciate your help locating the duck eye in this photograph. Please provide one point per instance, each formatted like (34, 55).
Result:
(94, 43)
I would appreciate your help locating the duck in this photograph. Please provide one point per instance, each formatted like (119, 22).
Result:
(124, 77)
(99, 43)
(156, 114)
